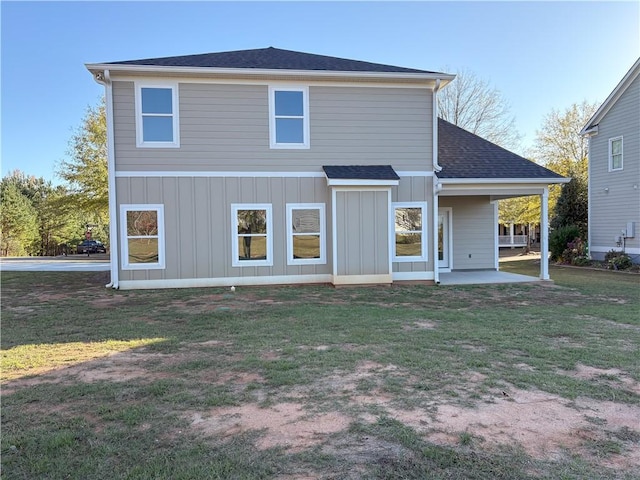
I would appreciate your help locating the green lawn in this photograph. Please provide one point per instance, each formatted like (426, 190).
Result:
(317, 382)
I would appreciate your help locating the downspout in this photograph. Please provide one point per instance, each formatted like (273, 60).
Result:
(437, 186)
(103, 78)
(436, 166)
(436, 183)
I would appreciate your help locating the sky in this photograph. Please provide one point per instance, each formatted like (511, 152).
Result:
(541, 56)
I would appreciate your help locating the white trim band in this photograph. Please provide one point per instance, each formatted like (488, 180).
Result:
(246, 174)
(224, 281)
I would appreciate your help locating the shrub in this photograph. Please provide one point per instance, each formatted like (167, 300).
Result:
(618, 260)
(576, 253)
(559, 240)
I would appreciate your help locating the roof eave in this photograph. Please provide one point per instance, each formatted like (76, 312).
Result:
(612, 98)
(470, 181)
(260, 72)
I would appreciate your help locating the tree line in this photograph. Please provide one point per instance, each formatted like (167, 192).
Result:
(38, 218)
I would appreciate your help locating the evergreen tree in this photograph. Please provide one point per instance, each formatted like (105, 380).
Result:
(572, 206)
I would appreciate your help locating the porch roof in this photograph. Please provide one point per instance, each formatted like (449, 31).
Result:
(464, 155)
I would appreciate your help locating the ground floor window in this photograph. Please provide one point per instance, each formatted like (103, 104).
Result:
(410, 243)
(252, 242)
(142, 236)
(306, 234)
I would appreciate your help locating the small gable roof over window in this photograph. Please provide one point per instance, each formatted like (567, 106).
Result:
(462, 154)
(361, 175)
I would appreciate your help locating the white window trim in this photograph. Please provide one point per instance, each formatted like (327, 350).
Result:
(611, 140)
(272, 117)
(425, 254)
(140, 143)
(323, 249)
(159, 208)
(235, 254)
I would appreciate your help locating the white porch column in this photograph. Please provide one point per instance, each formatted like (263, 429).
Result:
(511, 233)
(544, 234)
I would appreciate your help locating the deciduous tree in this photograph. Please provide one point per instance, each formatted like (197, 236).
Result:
(85, 169)
(475, 105)
(560, 147)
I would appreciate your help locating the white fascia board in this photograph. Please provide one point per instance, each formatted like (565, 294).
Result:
(155, 69)
(484, 181)
(613, 97)
(350, 182)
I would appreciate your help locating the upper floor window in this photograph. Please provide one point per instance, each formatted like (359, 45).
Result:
(410, 232)
(289, 117)
(142, 236)
(157, 115)
(305, 234)
(615, 153)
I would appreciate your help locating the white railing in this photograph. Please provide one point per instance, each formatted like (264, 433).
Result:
(513, 241)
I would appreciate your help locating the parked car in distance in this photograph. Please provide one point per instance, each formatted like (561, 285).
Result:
(91, 246)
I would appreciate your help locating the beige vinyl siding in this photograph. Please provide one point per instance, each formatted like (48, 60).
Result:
(610, 211)
(473, 232)
(225, 127)
(197, 213)
(417, 189)
(362, 222)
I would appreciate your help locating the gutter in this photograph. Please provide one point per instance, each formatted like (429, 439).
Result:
(96, 68)
(103, 78)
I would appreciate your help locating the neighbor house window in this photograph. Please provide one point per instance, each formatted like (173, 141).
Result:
(252, 242)
(289, 117)
(410, 232)
(615, 153)
(142, 236)
(305, 234)
(157, 116)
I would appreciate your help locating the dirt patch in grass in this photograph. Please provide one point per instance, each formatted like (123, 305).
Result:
(546, 426)
(611, 376)
(285, 425)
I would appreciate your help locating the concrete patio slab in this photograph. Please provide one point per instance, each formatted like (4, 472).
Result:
(483, 277)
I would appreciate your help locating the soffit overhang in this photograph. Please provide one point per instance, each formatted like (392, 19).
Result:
(428, 80)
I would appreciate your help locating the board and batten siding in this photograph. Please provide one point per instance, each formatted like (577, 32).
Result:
(197, 214)
(362, 223)
(473, 231)
(225, 127)
(611, 210)
(416, 189)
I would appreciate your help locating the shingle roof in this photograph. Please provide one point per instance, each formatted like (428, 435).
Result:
(270, 59)
(361, 172)
(462, 154)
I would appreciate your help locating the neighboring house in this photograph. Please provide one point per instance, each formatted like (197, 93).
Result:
(614, 170)
(517, 234)
(278, 167)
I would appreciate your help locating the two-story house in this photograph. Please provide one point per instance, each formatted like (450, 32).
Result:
(614, 170)
(271, 166)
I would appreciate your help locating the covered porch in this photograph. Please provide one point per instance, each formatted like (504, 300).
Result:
(491, 191)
